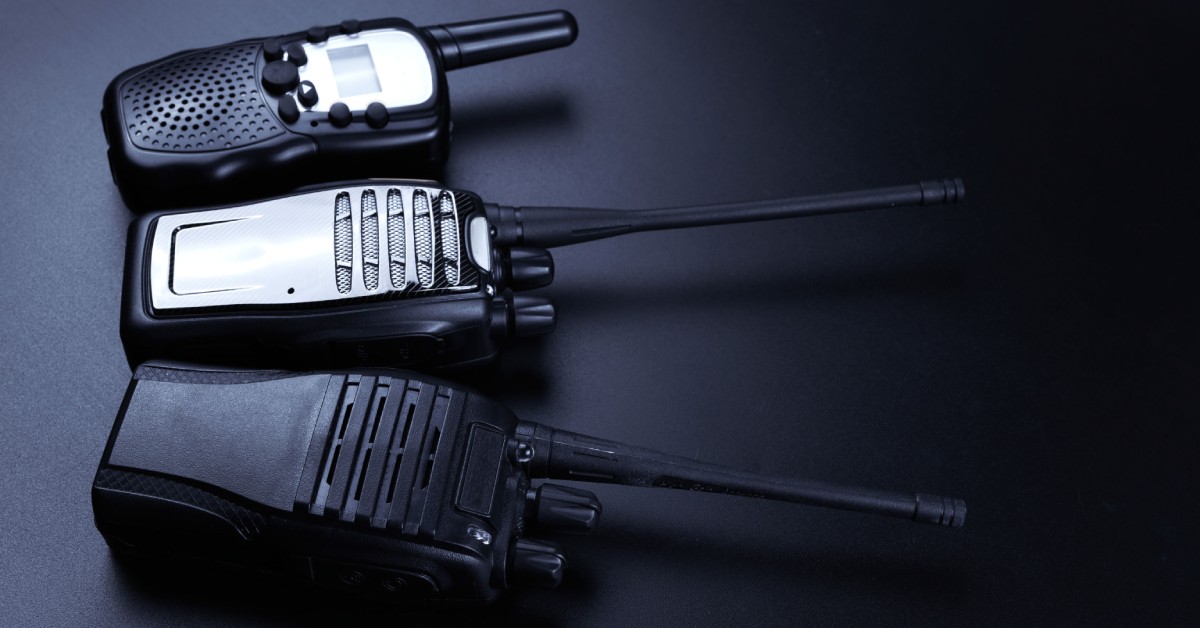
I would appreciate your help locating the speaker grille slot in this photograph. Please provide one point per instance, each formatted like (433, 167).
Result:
(448, 228)
(206, 100)
(370, 240)
(423, 238)
(343, 242)
(333, 446)
(395, 233)
(376, 457)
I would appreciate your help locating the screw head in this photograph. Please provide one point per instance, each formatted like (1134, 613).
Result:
(479, 534)
(353, 577)
(395, 584)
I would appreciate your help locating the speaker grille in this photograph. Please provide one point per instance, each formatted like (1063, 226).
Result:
(433, 238)
(423, 237)
(343, 242)
(378, 444)
(200, 101)
(370, 240)
(448, 230)
(395, 231)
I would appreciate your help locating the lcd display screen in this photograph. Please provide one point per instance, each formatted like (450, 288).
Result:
(354, 71)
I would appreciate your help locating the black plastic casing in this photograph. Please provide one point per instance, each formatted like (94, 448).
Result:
(269, 156)
(442, 331)
(389, 488)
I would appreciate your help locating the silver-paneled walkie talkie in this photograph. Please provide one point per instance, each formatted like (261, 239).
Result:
(385, 273)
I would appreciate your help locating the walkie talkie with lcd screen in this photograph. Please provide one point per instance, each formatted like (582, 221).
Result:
(262, 116)
(383, 484)
(385, 273)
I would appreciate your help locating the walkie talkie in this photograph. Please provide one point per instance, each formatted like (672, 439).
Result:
(262, 116)
(384, 273)
(383, 484)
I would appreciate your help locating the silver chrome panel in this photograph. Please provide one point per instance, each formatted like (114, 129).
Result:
(282, 251)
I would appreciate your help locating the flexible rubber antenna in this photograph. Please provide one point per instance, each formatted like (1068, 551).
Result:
(563, 455)
(548, 227)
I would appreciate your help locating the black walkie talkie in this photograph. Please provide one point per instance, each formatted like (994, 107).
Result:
(383, 484)
(262, 116)
(384, 273)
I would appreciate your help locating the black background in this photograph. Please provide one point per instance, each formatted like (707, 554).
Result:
(1032, 350)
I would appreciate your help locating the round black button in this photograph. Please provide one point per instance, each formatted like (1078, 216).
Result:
(377, 115)
(316, 34)
(297, 55)
(339, 114)
(280, 76)
(395, 584)
(351, 27)
(288, 111)
(272, 50)
(307, 93)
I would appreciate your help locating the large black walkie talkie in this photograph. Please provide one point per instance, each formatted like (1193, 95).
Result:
(383, 484)
(384, 273)
(262, 116)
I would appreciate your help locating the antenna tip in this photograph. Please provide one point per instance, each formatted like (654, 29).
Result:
(572, 26)
(942, 191)
(942, 511)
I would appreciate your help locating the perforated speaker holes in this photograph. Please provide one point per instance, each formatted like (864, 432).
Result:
(202, 101)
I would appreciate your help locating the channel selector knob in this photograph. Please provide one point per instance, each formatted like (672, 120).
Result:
(280, 76)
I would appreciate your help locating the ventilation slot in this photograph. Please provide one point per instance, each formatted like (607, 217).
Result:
(381, 395)
(343, 242)
(448, 227)
(370, 240)
(408, 411)
(395, 235)
(437, 435)
(423, 237)
(333, 447)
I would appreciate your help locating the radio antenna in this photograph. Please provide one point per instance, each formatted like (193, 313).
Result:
(563, 455)
(465, 44)
(548, 227)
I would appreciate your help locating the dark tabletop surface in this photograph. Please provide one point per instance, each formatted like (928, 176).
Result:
(1032, 350)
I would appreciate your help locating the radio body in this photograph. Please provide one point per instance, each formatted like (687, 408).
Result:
(384, 273)
(350, 482)
(382, 483)
(262, 116)
(390, 273)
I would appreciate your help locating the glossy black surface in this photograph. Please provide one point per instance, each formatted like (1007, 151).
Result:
(1031, 350)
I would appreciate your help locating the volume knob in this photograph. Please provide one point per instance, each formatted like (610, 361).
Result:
(529, 268)
(532, 316)
(279, 76)
(537, 563)
(555, 508)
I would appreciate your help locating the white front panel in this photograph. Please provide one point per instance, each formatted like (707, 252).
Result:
(386, 66)
(276, 252)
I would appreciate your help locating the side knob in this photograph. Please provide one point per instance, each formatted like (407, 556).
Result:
(532, 316)
(555, 508)
(529, 268)
(536, 563)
